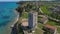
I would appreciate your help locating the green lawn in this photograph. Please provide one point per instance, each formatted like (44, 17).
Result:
(52, 23)
(40, 26)
(37, 31)
(44, 9)
(58, 29)
(24, 15)
(39, 18)
(48, 12)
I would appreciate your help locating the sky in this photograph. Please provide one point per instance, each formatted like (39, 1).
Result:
(9, 0)
(15, 0)
(22, 0)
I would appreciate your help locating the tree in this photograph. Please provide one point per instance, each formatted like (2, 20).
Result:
(20, 10)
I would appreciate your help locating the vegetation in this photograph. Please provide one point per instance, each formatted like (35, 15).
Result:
(47, 31)
(45, 9)
(52, 23)
(58, 29)
(40, 26)
(20, 10)
(37, 31)
(24, 15)
(20, 29)
(39, 18)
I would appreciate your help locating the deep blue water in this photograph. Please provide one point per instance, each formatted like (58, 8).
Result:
(7, 15)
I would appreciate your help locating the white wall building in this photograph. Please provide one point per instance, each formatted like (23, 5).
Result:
(32, 19)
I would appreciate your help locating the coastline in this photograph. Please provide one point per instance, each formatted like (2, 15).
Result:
(8, 9)
(15, 21)
(7, 29)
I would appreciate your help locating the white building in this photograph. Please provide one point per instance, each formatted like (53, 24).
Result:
(32, 20)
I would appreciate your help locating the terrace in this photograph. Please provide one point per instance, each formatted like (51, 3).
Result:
(24, 22)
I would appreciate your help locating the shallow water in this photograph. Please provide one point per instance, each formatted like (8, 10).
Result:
(7, 16)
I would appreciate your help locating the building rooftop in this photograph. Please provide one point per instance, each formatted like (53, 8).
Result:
(50, 27)
(24, 22)
(44, 19)
(32, 11)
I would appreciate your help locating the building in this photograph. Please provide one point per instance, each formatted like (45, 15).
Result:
(28, 25)
(44, 20)
(32, 19)
(50, 29)
(24, 24)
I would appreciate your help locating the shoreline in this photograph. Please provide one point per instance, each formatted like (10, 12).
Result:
(7, 29)
(17, 18)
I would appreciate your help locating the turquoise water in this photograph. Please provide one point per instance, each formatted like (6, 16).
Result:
(7, 16)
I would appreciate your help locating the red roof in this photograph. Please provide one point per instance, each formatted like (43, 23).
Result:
(51, 27)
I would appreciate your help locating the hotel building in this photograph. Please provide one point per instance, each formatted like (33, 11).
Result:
(32, 20)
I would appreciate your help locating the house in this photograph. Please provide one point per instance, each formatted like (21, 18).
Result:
(50, 29)
(55, 9)
(44, 20)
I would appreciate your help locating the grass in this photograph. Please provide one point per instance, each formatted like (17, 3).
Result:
(44, 9)
(58, 29)
(48, 12)
(39, 18)
(37, 31)
(52, 23)
(24, 15)
(40, 26)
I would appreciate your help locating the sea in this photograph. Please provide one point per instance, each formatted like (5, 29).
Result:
(7, 16)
